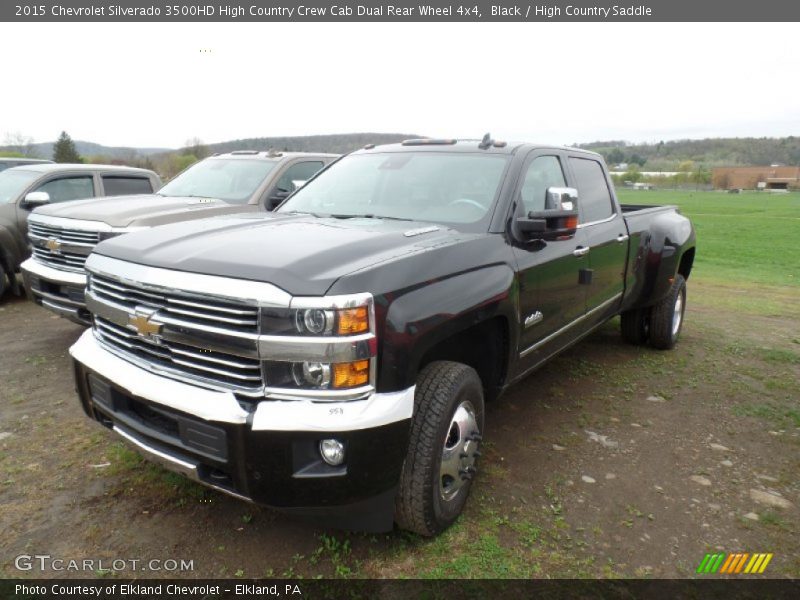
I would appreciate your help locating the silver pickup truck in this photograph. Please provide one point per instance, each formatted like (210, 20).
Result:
(63, 236)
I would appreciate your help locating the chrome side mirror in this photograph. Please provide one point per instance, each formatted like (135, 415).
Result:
(34, 199)
(561, 198)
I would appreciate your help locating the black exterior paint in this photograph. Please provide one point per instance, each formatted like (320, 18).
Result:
(430, 286)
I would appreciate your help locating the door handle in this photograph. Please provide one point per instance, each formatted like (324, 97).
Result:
(581, 251)
(622, 237)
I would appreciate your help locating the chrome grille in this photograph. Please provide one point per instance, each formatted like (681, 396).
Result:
(187, 308)
(69, 261)
(224, 370)
(67, 236)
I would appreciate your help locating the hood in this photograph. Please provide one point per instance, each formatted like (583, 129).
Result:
(301, 254)
(143, 210)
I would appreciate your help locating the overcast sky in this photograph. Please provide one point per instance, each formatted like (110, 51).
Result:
(150, 85)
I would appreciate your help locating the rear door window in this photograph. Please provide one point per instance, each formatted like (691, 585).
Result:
(125, 186)
(594, 197)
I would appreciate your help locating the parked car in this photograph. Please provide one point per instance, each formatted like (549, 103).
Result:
(24, 188)
(333, 358)
(243, 181)
(8, 163)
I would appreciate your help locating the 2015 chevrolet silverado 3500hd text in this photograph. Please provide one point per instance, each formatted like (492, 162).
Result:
(333, 357)
(62, 236)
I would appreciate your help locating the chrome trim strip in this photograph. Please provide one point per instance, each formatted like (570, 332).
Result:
(54, 275)
(558, 332)
(177, 375)
(182, 332)
(241, 291)
(81, 248)
(332, 302)
(66, 223)
(80, 225)
(53, 298)
(201, 402)
(316, 349)
(172, 463)
(606, 220)
(326, 396)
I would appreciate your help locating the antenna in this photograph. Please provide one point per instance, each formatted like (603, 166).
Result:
(486, 142)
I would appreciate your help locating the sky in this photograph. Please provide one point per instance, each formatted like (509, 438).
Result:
(159, 85)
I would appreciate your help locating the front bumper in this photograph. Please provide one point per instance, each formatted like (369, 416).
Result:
(265, 452)
(59, 291)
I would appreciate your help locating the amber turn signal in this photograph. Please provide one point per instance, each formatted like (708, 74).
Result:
(353, 320)
(347, 375)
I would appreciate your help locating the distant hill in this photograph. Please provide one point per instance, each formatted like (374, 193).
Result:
(334, 143)
(712, 152)
(85, 149)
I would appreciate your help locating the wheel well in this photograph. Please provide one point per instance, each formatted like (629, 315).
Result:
(687, 260)
(484, 347)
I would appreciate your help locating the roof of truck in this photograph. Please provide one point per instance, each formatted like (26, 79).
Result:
(54, 167)
(270, 155)
(489, 146)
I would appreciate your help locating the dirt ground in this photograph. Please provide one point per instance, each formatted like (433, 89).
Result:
(611, 461)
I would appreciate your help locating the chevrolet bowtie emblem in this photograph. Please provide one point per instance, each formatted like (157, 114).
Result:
(143, 325)
(53, 245)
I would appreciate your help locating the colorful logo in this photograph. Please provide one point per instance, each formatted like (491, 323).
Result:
(733, 564)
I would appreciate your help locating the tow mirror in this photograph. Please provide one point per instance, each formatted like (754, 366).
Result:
(558, 220)
(34, 199)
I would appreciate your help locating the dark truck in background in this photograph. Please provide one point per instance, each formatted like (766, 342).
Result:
(332, 358)
(62, 236)
(24, 188)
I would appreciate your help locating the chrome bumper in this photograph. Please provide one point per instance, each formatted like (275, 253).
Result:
(377, 410)
(40, 283)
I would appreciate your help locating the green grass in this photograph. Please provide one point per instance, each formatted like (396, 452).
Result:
(749, 237)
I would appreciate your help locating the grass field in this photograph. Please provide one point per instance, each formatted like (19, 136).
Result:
(750, 237)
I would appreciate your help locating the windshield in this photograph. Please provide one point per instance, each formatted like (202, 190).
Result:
(13, 182)
(232, 180)
(420, 186)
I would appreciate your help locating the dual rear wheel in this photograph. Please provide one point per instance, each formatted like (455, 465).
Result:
(660, 324)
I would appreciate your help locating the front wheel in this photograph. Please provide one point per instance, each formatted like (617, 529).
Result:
(443, 448)
(666, 318)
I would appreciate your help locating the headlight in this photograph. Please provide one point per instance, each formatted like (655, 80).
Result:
(317, 376)
(316, 321)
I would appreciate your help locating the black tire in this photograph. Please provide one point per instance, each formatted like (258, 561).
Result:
(635, 325)
(2, 279)
(666, 318)
(424, 504)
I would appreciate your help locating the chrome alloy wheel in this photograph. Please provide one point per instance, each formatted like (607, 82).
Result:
(460, 451)
(677, 315)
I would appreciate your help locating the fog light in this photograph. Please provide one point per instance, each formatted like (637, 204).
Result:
(332, 452)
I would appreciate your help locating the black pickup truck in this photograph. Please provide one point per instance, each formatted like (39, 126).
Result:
(333, 358)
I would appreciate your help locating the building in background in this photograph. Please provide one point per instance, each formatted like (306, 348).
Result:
(754, 178)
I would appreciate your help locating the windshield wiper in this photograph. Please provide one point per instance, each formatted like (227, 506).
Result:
(369, 216)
